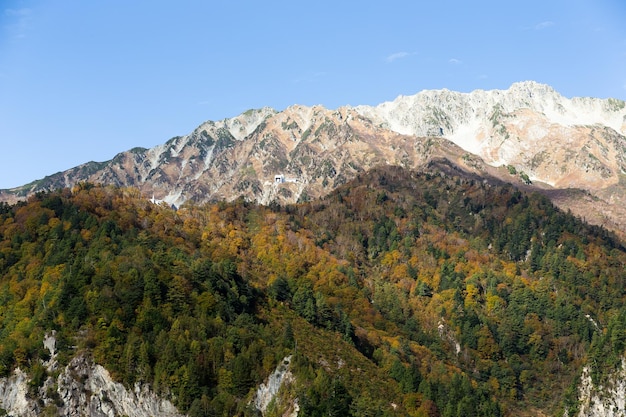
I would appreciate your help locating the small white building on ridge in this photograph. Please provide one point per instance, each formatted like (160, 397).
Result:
(280, 179)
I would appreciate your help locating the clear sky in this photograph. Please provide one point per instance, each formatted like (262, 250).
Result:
(82, 80)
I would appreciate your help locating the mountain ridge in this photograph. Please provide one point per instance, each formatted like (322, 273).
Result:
(528, 134)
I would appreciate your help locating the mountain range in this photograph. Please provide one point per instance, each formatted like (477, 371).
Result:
(423, 271)
(572, 150)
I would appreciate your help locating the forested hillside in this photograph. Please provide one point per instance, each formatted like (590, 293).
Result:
(401, 293)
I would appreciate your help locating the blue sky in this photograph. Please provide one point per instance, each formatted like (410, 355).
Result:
(83, 80)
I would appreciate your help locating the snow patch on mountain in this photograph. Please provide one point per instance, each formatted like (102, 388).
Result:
(175, 198)
(206, 163)
(468, 119)
(302, 115)
(155, 156)
(243, 125)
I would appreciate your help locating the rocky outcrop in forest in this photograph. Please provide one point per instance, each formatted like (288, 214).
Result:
(82, 388)
(607, 400)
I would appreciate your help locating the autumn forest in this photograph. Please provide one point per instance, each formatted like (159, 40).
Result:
(401, 293)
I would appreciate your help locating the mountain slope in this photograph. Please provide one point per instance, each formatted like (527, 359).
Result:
(408, 293)
(528, 133)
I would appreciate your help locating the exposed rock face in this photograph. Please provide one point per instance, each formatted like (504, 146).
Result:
(528, 133)
(13, 395)
(267, 391)
(565, 143)
(81, 389)
(603, 401)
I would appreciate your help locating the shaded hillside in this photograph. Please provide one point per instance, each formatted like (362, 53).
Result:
(409, 293)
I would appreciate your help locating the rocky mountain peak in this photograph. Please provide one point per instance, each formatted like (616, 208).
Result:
(527, 134)
(453, 114)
